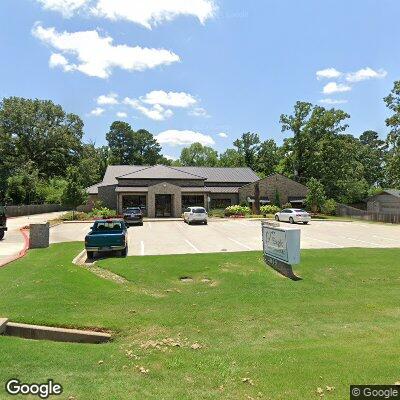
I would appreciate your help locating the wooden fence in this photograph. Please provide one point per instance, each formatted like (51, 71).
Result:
(351, 212)
(17, 211)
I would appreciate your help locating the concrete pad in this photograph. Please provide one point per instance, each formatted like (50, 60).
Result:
(176, 237)
(37, 332)
(3, 325)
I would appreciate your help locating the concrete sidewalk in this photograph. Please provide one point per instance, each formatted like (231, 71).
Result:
(14, 241)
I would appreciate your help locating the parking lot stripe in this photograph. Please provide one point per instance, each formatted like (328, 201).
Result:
(192, 246)
(149, 225)
(241, 244)
(142, 248)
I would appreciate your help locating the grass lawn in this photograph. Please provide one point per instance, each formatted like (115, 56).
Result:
(256, 335)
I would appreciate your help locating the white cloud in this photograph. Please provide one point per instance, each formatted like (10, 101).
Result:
(174, 137)
(199, 112)
(147, 13)
(365, 74)
(66, 7)
(328, 73)
(97, 111)
(222, 135)
(121, 114)
(333, 87)
(107, 99)
(333, 101)
(97, 56)
(171, 99)
(156, 112)
(58, 60)
(172, 158)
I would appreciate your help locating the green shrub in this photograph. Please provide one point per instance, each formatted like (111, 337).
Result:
(286, 205)
(329, 207)
(217, 213)
(269, 209)
(103, 212)
(75, 216)
(237, 210)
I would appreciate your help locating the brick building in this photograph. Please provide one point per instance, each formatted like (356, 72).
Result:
(287, 190)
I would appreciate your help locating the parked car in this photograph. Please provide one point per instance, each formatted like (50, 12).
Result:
(293, 215)
(3, 222)
(107, 235)
(195, 214)
(133, 216)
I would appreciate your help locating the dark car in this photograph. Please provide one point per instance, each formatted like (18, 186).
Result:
(107, 235)
(3, 222)
(133, 216)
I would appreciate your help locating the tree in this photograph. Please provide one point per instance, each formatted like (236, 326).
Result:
(231, 158)
(92, 164)
(372, 155)
(316, 195)
(267, 158)
(393, 139)
(38, 132)
(198, 155)
(120, 142)
(74, 194)
(146, 150)
(22, 185)
(248, 145)
(311, 126)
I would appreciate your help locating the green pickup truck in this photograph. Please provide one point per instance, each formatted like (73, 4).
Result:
(105, 236)
(3, 222)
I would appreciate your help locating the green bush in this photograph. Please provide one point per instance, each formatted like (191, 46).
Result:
(286, 205)
(75, 216)
(103, 212)
(329, 207)
(237, 210)
(217, 213)
(269, 209)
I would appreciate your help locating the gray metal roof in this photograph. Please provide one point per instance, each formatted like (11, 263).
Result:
(222, 174)
(94, 189)
(393, 192)
(161, 172)
(240, 176)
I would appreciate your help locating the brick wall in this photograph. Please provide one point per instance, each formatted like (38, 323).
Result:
(269, 185)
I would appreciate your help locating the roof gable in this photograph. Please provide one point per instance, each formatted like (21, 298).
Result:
(160, 172)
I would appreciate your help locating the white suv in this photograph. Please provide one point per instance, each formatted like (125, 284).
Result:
(195, 214)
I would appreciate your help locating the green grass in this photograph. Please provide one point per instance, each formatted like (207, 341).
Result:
(337, 326)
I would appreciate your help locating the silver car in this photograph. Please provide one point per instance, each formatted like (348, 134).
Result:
(293, 215)
(195, 214)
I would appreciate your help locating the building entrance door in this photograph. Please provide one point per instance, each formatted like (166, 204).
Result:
(163, 205)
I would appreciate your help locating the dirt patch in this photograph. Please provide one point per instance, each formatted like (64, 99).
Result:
(186, 279)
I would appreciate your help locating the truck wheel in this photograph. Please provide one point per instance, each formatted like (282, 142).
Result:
(125, 251)
(90, 255)
(205, 222)
(2, 234)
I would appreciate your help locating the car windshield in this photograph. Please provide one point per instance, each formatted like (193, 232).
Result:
(133, 210)
(199, 210)
(108, 225)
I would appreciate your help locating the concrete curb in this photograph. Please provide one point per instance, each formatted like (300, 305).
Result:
(22, 253)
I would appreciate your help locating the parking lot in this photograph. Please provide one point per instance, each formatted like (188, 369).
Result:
(176, 237)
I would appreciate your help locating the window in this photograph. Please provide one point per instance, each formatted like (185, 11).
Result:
(108, 225)
(192, 201)
(134, 201)
(220, 203)
(199, 210)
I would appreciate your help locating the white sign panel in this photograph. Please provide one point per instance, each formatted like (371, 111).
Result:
(281, 244)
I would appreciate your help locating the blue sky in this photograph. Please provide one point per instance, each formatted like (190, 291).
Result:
(195, 69)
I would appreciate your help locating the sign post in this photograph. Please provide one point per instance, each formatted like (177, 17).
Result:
(281, 248)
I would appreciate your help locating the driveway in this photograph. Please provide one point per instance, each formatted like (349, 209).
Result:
(176, 237)
(13, 241)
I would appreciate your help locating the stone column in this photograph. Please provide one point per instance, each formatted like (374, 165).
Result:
(39, 236)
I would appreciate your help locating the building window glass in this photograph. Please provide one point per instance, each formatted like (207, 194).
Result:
(220, 203)
(192, 201)
(134, 201)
